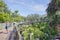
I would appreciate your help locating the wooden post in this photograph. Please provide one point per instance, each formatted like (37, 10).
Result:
(30, 36)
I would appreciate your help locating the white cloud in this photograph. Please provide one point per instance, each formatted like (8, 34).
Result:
(37, 7)
(34, 6)
(30, 5)
(16, 2)
(40, 7)
(19, 3)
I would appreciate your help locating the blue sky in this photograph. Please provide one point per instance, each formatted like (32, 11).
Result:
(26, 7)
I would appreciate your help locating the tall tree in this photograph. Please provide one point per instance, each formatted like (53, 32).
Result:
(4, 12)
(53, 7)
(33, 17)
(3, 7)
(16, 17)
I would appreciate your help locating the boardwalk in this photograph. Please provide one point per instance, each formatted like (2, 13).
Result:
(4, 35)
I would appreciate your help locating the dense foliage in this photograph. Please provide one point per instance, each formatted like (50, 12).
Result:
(6, 14)
(4, 17)
(53, 12)
(38, 30)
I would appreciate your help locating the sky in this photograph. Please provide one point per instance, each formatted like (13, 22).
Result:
(26, 7)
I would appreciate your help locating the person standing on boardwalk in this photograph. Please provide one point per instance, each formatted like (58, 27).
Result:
(7, 25)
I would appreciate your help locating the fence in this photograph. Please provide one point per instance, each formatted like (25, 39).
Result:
(21, 37)
(29, 36)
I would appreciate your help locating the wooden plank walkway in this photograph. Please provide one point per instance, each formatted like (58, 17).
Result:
(4, 35)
